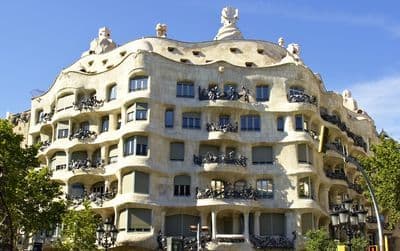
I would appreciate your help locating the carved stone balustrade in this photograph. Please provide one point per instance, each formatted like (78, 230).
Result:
(220, 158)
(296, 96)
(271, 242)
(83, 134)
(88, 103)
(247, 193)
(214, 93)
(229, 127)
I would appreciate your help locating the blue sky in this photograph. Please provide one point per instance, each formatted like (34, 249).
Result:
(352, 44)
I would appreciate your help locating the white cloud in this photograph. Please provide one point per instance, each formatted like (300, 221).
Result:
(381, 100)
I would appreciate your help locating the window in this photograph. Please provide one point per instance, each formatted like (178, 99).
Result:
(265, 188)
(136, 182)
(98, 187)
(135, 145)
(262, 93)
(169, 118)
(179, 225)
(84, 125)
(262, 155)
(138, 83)
(39, 116)
(280, 124)
(299, 122)
(307, 222)
(218, 186)
(230, 88)
(182, 185)
(122, 220)
(141, 111)
(306, 188)
(240, 185)
(130, 113)
(113, 154)
(185, 89)
(272, 224)
(112, 92)
(62, 129)
(139, 220)
(105, 123)
(58, 161)
(304, 154)
(177, 151)
(191, 120)
(250, 123)
(65, 102)
(77, 190)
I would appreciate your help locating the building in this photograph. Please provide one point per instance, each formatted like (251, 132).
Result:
(239, 135)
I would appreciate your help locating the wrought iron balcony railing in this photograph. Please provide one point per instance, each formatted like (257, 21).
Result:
(356, 187)
(248, 193)
(96, 197)
(44, 145)
(189, 243)
(45, 117)
(336, 175)
(83, 134)
(229, 158)
(214, 93)
(272, 241)
(296, 96)
(229, 127)
(358, 140)
(371, 219)
(60, 167)
(84, 164)
(88, 103)
(337, 147)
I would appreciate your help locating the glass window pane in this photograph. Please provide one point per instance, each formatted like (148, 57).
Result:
(169, 118)
(299, 122)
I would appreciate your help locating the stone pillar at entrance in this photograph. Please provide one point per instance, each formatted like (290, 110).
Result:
(214, 225)
(246, 226)
(257, 223)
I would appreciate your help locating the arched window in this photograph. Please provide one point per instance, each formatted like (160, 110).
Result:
(182, 185)
(112, 92)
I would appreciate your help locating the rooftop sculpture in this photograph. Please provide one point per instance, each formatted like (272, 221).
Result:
(349, 102)
(102, 44)
(229, 17)
(161, 30)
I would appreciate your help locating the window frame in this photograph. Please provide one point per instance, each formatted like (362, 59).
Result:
(112, 92)
(185, 89)
(171, 124)
(264, 95)
(191, 120)
(138, 83)
(250, 122)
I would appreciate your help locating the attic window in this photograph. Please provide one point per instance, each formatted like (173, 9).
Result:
(196, 53)
(184, 60)
(82, 70)
(104, 61)
(249, 64)
(234, 50)
(209, 61)
(110, 66)
(260, 51)
(122, 53)
(170, 49)
(90, 63)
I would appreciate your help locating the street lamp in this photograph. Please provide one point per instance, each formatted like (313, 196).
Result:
(106, 234)
(348, 217)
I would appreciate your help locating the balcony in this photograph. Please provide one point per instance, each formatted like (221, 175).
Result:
(336, 147)
(97, 198)
(84, 164)
(228, 127)
(44, 145)
(270, 242)
(88, 103)
(355, 187)
(336, 175)
(297, 96)
(220, 159)
(189, 243)
(247, 193)
(214, 93)
(371, 219)
(45, 117)
(83, 135)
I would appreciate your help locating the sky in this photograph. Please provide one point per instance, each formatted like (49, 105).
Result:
(353, 44)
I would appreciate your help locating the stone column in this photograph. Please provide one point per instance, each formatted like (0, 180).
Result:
(112, 122)
(214, 224)
(119, 178)
(246, 226)
(162, 221)
(257, 223)
(325, 198)
(203, 219)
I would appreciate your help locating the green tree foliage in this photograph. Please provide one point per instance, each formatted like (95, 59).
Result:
(28, 196)
(359, 243)
(79, 229)
(383, 169)
(318, 240)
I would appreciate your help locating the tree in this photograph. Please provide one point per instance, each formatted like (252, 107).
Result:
(318, 240)
(384, 172)
(28, 198)
(359, 243)
(79, 229)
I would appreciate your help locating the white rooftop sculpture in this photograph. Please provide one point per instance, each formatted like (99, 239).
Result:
(103, 43)
(349, 102)
(161, 30)
(229, 17)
